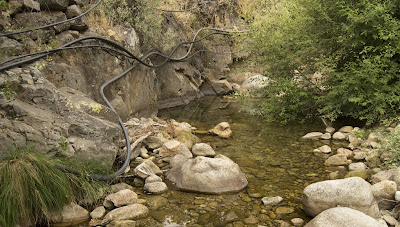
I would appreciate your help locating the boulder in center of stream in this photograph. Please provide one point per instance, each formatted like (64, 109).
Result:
(208, 175)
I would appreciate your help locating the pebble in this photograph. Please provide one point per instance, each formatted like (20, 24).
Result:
(284, 210)
(251, 220)
(271, 201)
(297, 222)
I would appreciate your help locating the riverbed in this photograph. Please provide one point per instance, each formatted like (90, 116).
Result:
(273, 157)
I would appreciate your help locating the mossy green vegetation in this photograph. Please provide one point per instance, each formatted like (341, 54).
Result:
(32, 186)
(391, 144)
(352, 44)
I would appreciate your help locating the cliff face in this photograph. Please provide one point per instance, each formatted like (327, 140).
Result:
(58, 88)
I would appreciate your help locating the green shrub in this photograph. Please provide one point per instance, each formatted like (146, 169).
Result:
(31, 186)
(392, 144)
(354, 43)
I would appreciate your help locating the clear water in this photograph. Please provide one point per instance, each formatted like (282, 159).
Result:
(273, 157)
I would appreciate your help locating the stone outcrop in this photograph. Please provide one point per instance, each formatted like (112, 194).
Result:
(57, 121)
(351, 192)
(208, 175)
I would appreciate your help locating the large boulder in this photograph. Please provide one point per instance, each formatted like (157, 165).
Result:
(208, 175)
(351, 192)
(343, 216)
(72, 214)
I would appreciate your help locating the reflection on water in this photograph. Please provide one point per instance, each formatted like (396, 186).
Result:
(275, 160)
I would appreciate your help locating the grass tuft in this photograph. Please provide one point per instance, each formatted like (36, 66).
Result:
(31, 186)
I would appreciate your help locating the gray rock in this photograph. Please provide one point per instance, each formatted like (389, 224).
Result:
(324, 149)
(272, 201)
(10, 46)
(53, 4)
(223, 130)
(98, 213)
(357, 166)
(338, 136)
(330, 130)
(385, 189)
(312, 135)
(351, 192)
(326, 136)
(155, 187)
(122, 223)
(360, 155)
(397, 196)
(147, 168)
(209, 175)
(119, 199)
(374, 137)
(131, 212)
(73, 11)
(336, 160)
(31, 4)
(298, 222)
(155, 141)
(348, 153)
(152, 179)
(255, 83)
(342, 216)
(203, 149)
(381, 176)
(173, 147)
(71, 214)
(346, 129)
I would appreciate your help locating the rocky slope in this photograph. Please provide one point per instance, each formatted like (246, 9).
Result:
(57, 100)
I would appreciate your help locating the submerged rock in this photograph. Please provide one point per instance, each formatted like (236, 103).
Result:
(131, 212)
(208, 175)
(312, 135)
(351, 192)
(223, 130)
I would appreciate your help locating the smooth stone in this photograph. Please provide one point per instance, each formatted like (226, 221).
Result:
(272, 201)
(326, 136)
(352, 192)
(342, 216)
(338, 136)
(251, 220)
(357, 166)
(336, 160)
(347, 152)
(397, 196)
(120, 186)
(330, 130)
(284, 210)
(98, 213)
(120, 198)
(297, 222)
(312, 135)
(71, 214)
(152, 179)
(202, 149)
(390, 220)
(156, 187)
(122, 223)
(324, 149)
(346, 129)
(130, 212)
(364, 174)
(359, 155)
(223, 130)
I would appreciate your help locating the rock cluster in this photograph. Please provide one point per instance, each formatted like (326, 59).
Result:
(360, 157)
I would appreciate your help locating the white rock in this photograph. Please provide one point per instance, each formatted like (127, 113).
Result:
(330, 130)
(131, 212)
(353, 192)
(155, 187)
(385, 189)
(297, 222)
(357, 166)
(346, 129)
(119, 199)
(152, 179)
(272, 201)
(98, 213)
(203, 149)
(326, 136)
(312, 135)
(336, 160)
(338, 136)
(324, 149)
(397, 196)
(343, 216)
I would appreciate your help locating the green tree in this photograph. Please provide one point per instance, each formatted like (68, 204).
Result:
(355, 44)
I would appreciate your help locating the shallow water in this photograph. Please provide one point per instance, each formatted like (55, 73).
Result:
(274, 159)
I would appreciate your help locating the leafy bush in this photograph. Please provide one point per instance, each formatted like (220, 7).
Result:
(354, 43)
(31, 187)
(392, 144)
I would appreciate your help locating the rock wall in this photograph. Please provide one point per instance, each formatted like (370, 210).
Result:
(57, 97)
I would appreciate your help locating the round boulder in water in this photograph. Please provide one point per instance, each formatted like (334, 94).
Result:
(208, 175)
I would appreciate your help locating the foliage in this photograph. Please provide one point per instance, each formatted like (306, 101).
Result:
(354, 43)
(142, 15)
(6, 91)
(392, 144)
(31, 187)
(285, 101)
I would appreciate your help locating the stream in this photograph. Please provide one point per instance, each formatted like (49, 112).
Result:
(273, 157)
